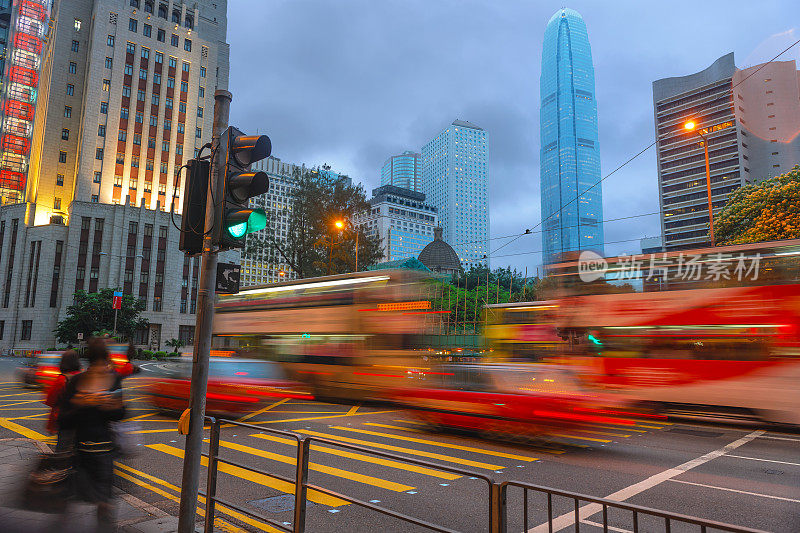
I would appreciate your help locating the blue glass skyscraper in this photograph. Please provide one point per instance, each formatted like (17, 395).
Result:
(570, 153)
(404, 170)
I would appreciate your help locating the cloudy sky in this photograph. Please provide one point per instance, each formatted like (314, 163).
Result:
(351, 82)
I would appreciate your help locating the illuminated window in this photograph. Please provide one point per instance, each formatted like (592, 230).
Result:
(56, 203)
(77, 24)
(117, 181)
(106, 85)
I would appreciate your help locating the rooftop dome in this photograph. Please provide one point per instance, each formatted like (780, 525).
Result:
(440, 256)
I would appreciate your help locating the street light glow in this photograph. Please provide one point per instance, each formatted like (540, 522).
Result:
(339, 224)
(689, 125)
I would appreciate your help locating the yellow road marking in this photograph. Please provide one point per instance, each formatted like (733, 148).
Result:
(577, 437)
(267, 408)
(411, 422)
(25, 432)
(413, 430)
(139, 417)
(20, 403)
(441, 444)
(621, 428)
(24, 408)
(21, 393)
(353, 409)
(308, 412)
(321, 417)
(652, 427)
(365, 458)
(261, 479)
(29, 417)
(218, 522)
(606, 433)
(338, 472)
(10, 382)
(410, 451)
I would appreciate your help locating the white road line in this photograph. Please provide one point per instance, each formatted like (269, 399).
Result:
(779, 438)
(765, 460)
(567, 519)
(735, 490)
(610, 528)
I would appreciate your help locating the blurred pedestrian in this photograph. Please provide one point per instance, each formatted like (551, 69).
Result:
(69, 366)
(92, 401)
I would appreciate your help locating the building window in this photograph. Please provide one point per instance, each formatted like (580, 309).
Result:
(95, 198)
(156, 79)
(189, 22)
(97, 176)
(67, 111)
(157, 303)
(139, 117)
(106, 85)
(117, 181)
(164, 169)
(120, 158)
(77, 24)
(135, 161)
(149, 163)
(123, 135)
(73, 67)
(174, 40)
(62, 157)
(180, 127)
(184, 87)
(110, 40)
(56, 203)
(70, 89)
(202, 72)
(126, 91)
(104, 108)
(65, 134)
(146, 30)
(133, 184)
(27, 327)
(151, 142)
(186, 67)
(123, 113)
(168, 102)
(99, 154)
(182, 107)
(142, 73)
(201, 92)
(155, 99)
(137, 139)
(75, 45)
(140, 95)
(60, 180)
(187, 45)
(133, 25)
(109, 63)
(170, 82)
(101, 130)
(165, 146)
(161, 36)
(173, 62)
(179, 149)
(159, 57)
(198, 133)
(130, 48)
(145, 53)
(200, 112)
(129, 70)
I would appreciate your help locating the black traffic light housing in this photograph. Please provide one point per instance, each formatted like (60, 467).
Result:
(236, 153)
(193, 217)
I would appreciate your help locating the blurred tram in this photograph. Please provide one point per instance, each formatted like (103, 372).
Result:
(349, 337)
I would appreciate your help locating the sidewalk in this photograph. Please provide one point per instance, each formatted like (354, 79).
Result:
(19, 456)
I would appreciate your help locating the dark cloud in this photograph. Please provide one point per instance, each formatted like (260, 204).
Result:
(351, 82)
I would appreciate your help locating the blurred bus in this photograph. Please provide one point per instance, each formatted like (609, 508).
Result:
(350, 336)
(523, 331)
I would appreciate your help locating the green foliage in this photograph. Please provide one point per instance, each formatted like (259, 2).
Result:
(765, 211)
(173, 354)
(319, 201)
(176, 344)
(160, 355)
(92, 312)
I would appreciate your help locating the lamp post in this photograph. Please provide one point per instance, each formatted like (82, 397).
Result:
(691, 126)
(329, 241)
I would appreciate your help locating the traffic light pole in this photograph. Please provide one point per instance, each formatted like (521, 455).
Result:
(205, 314)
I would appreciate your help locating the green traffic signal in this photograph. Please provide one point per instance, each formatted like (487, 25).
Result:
(240, 223)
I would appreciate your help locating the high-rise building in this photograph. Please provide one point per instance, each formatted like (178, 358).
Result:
(455, 179)
(125, 97)
(751, 124)
(404, 170)
(263, 263)
(571, 198)
(23, 30)
(401, 219)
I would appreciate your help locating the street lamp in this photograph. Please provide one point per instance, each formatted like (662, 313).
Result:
(329, 241)
(692, 126)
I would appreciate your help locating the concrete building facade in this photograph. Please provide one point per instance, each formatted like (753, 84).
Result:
(455, 177)
(126, 97)
(401, 219)
(751, 123)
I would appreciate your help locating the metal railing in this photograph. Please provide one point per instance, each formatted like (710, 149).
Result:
(497, 493)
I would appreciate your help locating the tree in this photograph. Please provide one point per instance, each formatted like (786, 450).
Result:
(92, 312)
(764, 211)
(175, 344)
(319, 199)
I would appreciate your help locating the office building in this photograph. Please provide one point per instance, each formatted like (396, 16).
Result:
(455, 179)
(401, 219)
(751, 124)
(404, 170)
(125, 98)
(263, 263)
(571, 198)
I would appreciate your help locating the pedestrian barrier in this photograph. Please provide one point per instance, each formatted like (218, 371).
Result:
(497, 495)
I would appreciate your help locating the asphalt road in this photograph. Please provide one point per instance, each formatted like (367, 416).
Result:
(742, 475)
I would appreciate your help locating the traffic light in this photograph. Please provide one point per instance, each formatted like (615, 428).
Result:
(193, 218)
(236, 153)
